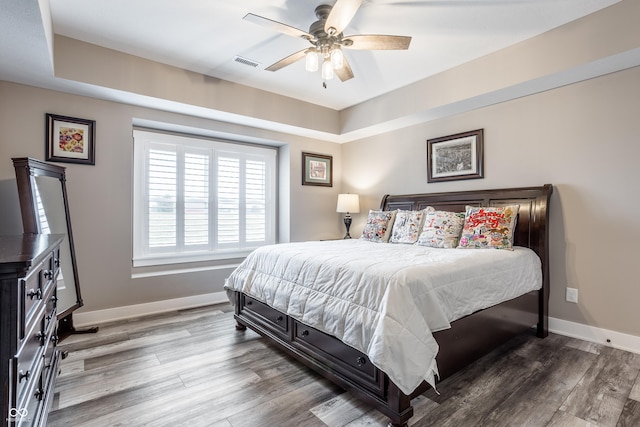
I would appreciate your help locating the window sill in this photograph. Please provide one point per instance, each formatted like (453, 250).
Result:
(160, 260)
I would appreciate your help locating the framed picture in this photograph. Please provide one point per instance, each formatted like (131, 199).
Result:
(455, 157)
(70, 140)
(317, 169)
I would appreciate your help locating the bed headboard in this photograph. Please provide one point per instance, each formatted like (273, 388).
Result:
(531, 228)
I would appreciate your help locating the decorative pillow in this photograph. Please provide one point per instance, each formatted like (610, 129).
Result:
(441, 229)
(406, 226)
(489, 227)
(378, 227)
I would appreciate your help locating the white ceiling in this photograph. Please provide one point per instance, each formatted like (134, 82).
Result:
(205, 36)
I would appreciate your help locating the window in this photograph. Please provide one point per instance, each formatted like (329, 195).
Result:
(197, 199)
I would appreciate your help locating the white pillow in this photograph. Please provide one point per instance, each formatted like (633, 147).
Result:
(441, 229)
(406, 226)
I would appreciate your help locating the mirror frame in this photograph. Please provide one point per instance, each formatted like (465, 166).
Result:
(27, 169)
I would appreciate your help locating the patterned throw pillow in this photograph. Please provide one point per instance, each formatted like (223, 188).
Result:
(406, 226)
(378, 227)
(489, 227)
(441, 229)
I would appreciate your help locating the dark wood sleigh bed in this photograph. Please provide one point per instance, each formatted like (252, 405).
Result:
(468, 339)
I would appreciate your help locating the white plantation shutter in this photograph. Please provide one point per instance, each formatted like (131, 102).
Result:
(198, 199)
(228, 200)
(162, 179)
(255, 204)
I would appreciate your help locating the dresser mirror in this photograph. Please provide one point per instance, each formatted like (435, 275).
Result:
(45, 210)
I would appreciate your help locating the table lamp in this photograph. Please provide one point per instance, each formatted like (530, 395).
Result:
(348, 203)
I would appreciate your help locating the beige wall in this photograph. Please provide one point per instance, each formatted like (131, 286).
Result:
(100, 195)
(580, 138)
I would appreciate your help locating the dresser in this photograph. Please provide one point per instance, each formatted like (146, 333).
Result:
(29, 267)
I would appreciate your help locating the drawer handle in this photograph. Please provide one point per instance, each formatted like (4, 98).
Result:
(279, 319)
(361, 361)
(39, 394)
(249, 302)
(35, 293)
(48, 274)
(23, 375)
(305, 333)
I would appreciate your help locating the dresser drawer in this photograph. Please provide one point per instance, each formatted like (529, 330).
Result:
(29, 357)
(50, 302)
(33, 289)
(261, 313)
(30, 402)
(339, 356)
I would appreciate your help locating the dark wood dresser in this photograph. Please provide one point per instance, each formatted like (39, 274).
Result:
(29, 266)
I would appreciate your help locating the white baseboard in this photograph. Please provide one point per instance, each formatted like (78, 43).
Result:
(558, 326)
(91, 318)
(596, 335)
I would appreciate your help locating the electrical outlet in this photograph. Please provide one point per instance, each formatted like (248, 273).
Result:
(572, 295)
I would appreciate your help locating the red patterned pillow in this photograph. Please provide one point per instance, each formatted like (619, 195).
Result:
(489, 227)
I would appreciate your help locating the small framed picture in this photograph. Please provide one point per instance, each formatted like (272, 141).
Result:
(317, 169)
(456, 157)
(70, 140)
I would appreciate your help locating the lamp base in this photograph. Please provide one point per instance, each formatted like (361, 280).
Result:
(347, 223)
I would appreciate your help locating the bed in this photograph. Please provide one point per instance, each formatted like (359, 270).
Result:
(381, 367)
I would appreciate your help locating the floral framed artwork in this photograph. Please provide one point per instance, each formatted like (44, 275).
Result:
(317, 169)
(70, 140)
(455, 157)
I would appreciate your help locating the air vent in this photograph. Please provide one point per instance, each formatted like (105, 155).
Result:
(246, 61)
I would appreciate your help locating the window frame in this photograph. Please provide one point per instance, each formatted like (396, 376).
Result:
(143, 139)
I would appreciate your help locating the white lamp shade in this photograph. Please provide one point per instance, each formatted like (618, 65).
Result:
(348, 203)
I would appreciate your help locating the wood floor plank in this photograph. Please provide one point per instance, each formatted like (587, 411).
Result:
(86, 378)
(537, 399)
(91, 411)
(635, 391)
(564, 419)
(288, 408)
(124, 344)
(340, 410)
(630, 416)
(601, 395)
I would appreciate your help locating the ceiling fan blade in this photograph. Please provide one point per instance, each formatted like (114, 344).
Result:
(341, 14)
(294, 57)
(377, 42)
(277, 26)
(345, 73)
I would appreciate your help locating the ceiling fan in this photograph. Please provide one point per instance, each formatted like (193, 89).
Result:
(327, 40)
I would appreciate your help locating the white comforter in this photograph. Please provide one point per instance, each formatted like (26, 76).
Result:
(385, 299)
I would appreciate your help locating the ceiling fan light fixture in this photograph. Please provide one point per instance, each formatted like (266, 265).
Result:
(327, 70)
(337, 58)
(311, 60)
(327, 40)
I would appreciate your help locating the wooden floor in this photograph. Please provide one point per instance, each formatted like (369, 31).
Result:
(193, 368)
